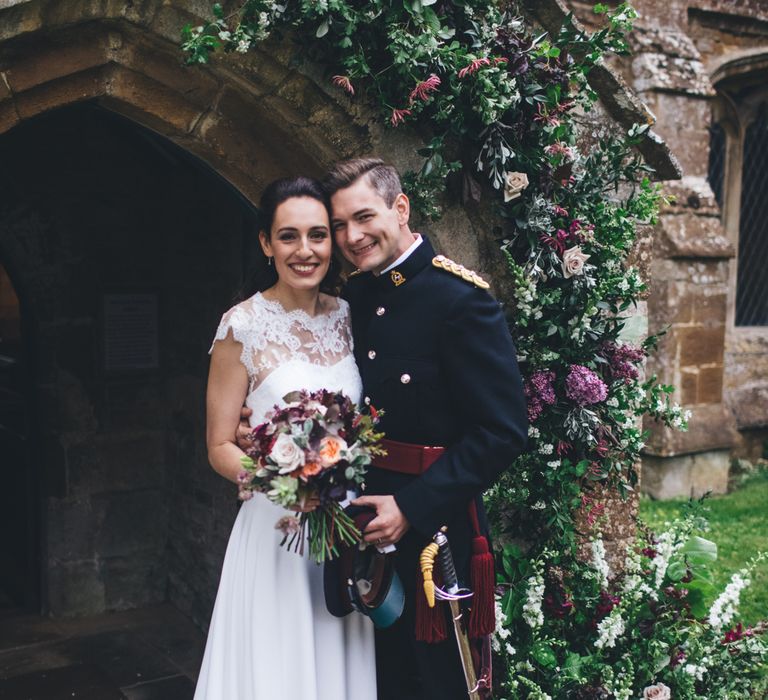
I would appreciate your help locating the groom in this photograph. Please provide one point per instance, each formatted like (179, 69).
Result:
(435, 354)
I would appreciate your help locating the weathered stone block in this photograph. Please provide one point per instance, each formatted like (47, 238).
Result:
(67, 90)
(749, 406)
(72, 528)
(113, 462)
(689, 476)
(710, 388)
(150, 102)
(689, 386)
(8, 116)
(53, 60)
(689, 235)
(18, 18)
(75, 587)
(711, 427)
(659, 71)
(701, 345)
(133, 582)
(133, 523)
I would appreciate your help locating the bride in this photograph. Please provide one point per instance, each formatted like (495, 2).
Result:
(271, 635)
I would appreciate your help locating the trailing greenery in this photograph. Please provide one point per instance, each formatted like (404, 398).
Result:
(506, 111)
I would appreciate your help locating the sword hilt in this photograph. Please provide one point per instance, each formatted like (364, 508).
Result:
(447, 567)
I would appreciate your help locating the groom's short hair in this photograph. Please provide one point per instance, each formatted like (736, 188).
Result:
(382, 177)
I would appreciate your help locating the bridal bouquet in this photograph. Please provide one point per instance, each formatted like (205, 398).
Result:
(316, 448)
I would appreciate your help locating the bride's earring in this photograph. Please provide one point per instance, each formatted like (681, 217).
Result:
(269, 262)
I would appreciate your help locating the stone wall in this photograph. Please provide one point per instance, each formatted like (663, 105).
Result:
(719, 370)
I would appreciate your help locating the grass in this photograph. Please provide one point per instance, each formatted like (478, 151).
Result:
(739, 527)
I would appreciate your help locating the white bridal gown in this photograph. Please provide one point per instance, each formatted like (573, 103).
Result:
(271, 636)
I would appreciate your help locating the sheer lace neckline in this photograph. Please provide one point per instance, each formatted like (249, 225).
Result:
(272, 336)
(298, 315)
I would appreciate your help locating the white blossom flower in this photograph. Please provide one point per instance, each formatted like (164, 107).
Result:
(696, 671)
(546, 448)
(554, 464)
(533, 432)
(610, 629)
(599, 562)
(613, 402)
(724, 608)
(243, 45)
(532, 612)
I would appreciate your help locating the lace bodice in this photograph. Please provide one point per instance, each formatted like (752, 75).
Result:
(288, 350)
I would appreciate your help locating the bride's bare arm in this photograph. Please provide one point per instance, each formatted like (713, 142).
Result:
(227, 389)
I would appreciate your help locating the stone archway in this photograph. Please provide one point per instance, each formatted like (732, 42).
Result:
(63, 68)
(249, 117)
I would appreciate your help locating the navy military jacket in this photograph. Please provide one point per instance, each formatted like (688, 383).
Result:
(435, 354)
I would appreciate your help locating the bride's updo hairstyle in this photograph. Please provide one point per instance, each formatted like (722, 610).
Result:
(264, 276)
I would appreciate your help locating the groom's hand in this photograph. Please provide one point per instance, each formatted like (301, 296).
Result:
(389, 525)
(243, 432)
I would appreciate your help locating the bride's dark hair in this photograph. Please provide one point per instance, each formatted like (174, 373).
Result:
(262, 275)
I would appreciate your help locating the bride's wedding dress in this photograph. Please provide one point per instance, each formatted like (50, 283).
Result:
(271, 635)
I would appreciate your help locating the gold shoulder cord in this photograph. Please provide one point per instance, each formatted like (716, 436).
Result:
(443, 263)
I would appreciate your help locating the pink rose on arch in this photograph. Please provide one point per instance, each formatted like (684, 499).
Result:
(573, 261)
(657, 692)
(514, 184)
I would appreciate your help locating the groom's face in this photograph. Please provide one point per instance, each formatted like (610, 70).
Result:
(370, 234)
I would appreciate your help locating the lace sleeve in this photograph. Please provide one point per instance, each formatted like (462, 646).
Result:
(238, 322)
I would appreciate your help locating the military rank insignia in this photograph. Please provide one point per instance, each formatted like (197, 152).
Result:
(443, 263)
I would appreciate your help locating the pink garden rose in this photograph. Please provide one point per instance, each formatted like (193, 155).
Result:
(573, 261)
(657, 692)
(287, 454)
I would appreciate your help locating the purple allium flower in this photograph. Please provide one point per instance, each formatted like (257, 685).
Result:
(584, 387)
(622, 360)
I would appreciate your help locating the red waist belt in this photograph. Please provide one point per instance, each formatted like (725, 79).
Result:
(407, 458)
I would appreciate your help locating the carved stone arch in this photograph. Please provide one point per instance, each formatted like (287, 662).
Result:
(251, 117)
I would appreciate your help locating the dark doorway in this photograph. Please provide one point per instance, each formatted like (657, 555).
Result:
(19, 512)
(125, 250)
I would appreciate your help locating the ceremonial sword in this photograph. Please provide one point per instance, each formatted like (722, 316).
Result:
(450, 592)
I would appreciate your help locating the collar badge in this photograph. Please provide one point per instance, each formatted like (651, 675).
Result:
(396, 277)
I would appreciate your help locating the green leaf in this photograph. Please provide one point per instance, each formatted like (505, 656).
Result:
(322, 30)
(699, 551)
(544, 655)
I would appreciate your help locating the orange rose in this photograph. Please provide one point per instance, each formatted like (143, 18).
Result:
(310, 469)
(330, 451)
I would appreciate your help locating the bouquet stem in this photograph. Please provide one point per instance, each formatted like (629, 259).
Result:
(327, 527)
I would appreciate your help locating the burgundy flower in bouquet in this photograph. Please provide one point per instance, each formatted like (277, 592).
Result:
(316, 448)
